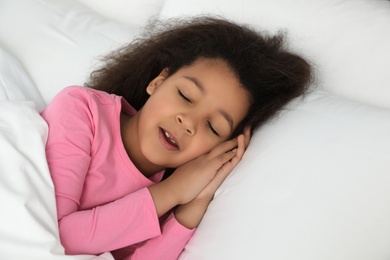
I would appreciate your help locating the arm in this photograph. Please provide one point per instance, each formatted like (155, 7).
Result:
(190, 214)
(127, 220)
(68, 148)
(167, 246)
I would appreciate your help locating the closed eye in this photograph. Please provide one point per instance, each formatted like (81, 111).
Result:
(212, 128)
(183, 96)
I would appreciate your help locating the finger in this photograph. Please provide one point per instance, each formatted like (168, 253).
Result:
(228, 166)
(247, 136)
(223, 148)
(240, 152)
(241, 147)
(216, 182)
(221, 175)
(220, 160)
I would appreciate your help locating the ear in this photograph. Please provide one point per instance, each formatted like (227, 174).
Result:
(156, 82)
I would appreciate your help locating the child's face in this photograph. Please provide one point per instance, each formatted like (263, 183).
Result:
(190, 112)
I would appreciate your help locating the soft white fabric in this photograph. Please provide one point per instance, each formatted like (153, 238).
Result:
(313, 184)
(57, 41)
(131, 13)
(28, 228)
(347, 40)
(15, 84)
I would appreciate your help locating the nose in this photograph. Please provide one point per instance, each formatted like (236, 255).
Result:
(187, 123)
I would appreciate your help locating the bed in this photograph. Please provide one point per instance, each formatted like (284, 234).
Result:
(314, 182)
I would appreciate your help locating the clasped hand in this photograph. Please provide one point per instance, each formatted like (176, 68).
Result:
(201, 177)
(191, 187)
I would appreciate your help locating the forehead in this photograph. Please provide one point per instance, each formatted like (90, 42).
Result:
(210, 74)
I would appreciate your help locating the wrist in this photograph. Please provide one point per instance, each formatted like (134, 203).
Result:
(190, 214)
(164, 200)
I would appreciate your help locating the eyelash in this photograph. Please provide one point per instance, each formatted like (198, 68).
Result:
(212, 129)
(208, 122)
(183, 97)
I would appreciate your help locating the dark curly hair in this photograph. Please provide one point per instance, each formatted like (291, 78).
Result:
(272, 75)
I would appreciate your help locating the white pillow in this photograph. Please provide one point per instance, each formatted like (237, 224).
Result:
(57, 41)
(313, 184)
(28, 218)
(347, 40)
(15, 84)
(132, 13)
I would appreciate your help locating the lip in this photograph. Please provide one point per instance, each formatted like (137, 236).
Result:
(168, 140)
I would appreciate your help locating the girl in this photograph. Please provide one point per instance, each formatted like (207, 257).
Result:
(183, 100)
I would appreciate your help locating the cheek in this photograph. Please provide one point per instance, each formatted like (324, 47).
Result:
(203, 147)
(161, 104)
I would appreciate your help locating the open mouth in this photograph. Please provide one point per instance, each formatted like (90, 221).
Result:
(168, 140)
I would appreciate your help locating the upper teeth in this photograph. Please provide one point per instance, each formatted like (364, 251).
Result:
(167, 135)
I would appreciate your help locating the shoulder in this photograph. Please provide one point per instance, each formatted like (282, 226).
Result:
(79, 101)
(84, 97)
(77, 92)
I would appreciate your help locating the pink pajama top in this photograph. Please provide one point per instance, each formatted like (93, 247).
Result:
(103, 203)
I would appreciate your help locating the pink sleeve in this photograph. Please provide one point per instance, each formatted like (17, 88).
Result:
(167, 246)
(68, 146)
(123, 222)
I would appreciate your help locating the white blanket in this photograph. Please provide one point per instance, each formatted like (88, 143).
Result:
(15, 84)
(28, 227)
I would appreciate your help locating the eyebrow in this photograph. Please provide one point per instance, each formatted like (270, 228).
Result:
(228, 118)
(196, 82)
(199, 85)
